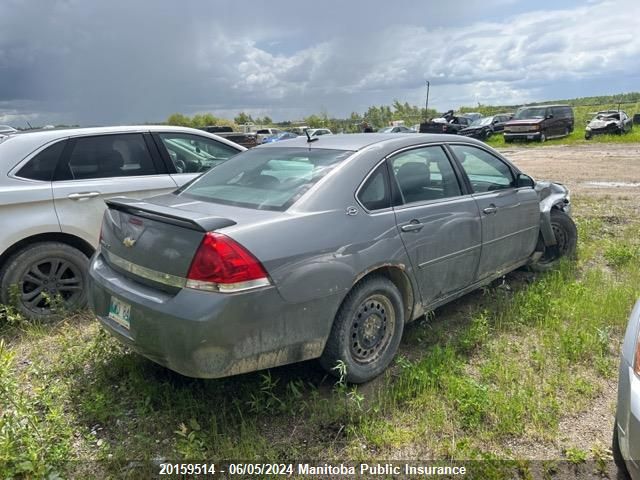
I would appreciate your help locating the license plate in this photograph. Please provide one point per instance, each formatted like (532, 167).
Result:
(120, 312)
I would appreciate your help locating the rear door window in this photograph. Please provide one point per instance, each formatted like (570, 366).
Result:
(424, 174)
(105, 156)
(265, 179)
(42, 165)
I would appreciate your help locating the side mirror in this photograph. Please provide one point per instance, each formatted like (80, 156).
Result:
(550, 115)
(523, 180)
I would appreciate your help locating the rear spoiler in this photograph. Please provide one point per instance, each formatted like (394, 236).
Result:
(174, 216)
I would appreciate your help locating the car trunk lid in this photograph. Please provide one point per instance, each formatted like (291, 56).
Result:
(154, 244)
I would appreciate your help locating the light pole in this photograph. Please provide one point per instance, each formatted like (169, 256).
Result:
(426, 103)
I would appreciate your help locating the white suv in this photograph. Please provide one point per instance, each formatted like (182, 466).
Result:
(52, 189)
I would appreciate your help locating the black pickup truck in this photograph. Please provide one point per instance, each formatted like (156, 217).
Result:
(448, 123)
(247, 140)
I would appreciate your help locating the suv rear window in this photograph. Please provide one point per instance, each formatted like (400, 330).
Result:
(265, 179)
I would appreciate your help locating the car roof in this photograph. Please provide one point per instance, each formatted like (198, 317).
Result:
(17, 146)
(57, 133)
(540, 106)
(359, 141)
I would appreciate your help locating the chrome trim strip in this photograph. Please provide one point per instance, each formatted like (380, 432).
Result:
(228, 287)
(144, 272)
(181, 282)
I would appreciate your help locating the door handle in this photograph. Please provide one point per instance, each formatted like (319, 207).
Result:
(490, 209)
(83, 195)
(414, 226)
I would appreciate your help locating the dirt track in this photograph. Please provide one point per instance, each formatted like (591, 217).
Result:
(594, 170)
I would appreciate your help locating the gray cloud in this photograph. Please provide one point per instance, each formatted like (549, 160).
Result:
(78, 61)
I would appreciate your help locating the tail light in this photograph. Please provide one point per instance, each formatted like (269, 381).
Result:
(223, 265)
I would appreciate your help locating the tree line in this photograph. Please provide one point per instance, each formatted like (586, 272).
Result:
(381, 116)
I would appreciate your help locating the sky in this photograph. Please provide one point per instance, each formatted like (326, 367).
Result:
(93, 62)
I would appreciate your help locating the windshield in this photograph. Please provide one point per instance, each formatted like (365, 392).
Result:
(481, 122)
(265, 179)
(385, 130)
(524, 113)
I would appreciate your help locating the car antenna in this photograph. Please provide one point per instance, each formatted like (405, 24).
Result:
(309, 139)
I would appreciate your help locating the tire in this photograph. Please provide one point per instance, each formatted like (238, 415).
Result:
(587, 136)
(367, 330)
(617, 454)
(566, 235)
(508, 140)
(51, 268)
(487, 134)
(543, 137)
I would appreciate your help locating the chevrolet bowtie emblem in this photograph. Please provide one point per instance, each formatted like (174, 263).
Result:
(128, 242)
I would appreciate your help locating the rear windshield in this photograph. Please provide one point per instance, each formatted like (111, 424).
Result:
(265, 178)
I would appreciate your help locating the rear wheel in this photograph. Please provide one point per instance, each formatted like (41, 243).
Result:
(45, 274)
(566, 233)
(366, 332)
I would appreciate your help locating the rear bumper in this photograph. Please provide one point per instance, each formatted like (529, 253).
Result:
(207, 334)
(628, 418)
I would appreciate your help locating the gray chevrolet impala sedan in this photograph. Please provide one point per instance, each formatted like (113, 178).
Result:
(318, 248)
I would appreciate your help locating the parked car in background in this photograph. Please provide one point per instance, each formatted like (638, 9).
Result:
(280, 136)
(298, 250)
(246, 139)
(317, 132)
(448, 123)
(613, 122)
(473, 116)
(299, 130)
(626, 430)
(396, 129)
(540, 123)
(263, 133)
(483, 128)
(53, 184)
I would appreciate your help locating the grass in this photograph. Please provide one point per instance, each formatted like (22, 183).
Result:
(470, 385)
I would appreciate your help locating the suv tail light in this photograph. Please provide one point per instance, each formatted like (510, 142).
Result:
(223, 265)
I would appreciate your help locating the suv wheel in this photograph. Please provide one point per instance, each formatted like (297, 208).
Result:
(45, 273)
(366, 332)
(543, 137)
